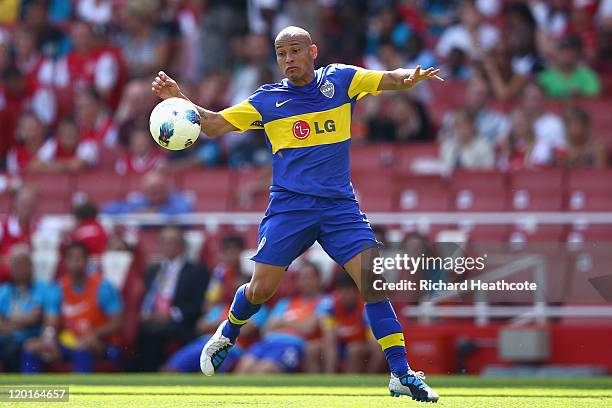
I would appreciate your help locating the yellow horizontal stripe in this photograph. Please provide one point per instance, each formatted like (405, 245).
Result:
(234, 320)
(326, 127)
(395, 339)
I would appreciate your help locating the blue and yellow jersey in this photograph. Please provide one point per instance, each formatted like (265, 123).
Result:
(308, 128)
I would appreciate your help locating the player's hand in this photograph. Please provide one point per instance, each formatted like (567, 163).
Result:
(419, 75)
(165, 87)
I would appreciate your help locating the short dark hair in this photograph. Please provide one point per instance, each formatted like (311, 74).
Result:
(78, 245)
(86, 211)
(232, 240)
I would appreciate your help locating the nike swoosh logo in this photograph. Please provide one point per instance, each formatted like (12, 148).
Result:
(279, 104)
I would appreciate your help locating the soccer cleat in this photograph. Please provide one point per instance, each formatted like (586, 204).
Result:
(214, 352)
(412, 385)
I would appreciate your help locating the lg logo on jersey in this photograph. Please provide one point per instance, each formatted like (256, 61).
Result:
(301, 128)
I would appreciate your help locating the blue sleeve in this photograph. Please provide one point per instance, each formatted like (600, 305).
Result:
(4, 300)
(39, 293)
(325, 307)
(53, 302)
(280, 308)
(109, 299)
(178, 204)
(213, 315)
(259, 319)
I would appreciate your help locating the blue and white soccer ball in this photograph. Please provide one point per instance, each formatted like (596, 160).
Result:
(175, 124)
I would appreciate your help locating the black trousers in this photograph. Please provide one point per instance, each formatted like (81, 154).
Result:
(153, 338)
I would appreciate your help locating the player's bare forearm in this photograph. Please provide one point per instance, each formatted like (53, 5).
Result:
(402, 78)
(212, 123)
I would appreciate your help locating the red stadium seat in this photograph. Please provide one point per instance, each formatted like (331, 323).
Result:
(100, 186)
(372, 157)
(539, 233)
(374, 190)
(405, 156)
(424, 193)
(479, 199)
(212, 188)
(590, 233)
(589, 179)
(258, 202)
(540, 179)
(536, 200)
(51, 184)
(489, 233)
(478, 180)
(589, 200)
(54, 205)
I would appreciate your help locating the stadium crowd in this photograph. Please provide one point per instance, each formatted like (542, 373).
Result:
(531, 79)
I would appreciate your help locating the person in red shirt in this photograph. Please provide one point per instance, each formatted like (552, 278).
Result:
(88, 229)
(18, 226)
(67, 151)
(87, 65)
(94, 119)
(143, 155)
(30, 135)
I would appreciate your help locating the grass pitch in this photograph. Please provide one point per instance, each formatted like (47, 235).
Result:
(311, 391)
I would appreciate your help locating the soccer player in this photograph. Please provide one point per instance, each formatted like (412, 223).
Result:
(307, 120)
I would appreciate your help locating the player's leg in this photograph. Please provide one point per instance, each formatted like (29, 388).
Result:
(387, 330)
(289, 227)
(247, 301)
(347, 237)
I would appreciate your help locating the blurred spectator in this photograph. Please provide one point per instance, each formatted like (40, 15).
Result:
(88, 229)
(343, 326)
(156, 197)
(583, 149)
(226, 272)
(548, 128)
(83, 322)
(401, 119)
(142, 156)
(135, 106)
(569, 77)
(291, 324)
(386, 26)
(21, 222)
(251, 151)
(472, 35)
(94, 118)
(418, 54)
(521, 36)
(456, 66)
(67, 151)
(187, 359)
(144, 45)
(468, 150)
(254, 68)
(30, 138)
(21, 307)
(97, 12)
(517, 147)
(174, 294)
(490, 124)
(505, 81)
(50, 40)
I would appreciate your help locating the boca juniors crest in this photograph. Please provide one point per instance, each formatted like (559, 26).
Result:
(327, 89)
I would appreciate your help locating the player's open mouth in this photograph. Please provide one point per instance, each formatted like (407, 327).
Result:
(290, 69)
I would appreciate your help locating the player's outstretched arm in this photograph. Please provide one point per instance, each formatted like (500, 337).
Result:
(407, 78)
(212, 124)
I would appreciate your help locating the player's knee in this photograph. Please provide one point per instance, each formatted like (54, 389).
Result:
(259, 292)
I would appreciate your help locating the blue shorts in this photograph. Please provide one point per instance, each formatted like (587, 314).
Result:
(293, 222)
(285, 354)
(187, 359)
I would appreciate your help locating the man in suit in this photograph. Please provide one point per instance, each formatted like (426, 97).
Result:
(174, 292)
